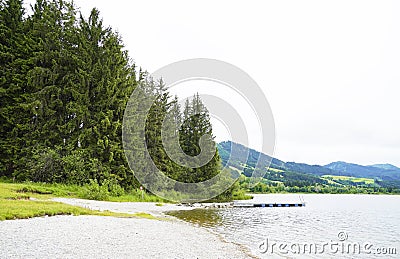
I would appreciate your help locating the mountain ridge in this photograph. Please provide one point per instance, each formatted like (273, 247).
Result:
(384, 171)
(385, 174)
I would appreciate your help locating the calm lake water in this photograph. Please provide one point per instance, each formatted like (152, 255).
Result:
(330, 226)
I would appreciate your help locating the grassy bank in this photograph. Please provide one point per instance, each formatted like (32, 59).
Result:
(89, 191)
(94, 191)
(21, 201)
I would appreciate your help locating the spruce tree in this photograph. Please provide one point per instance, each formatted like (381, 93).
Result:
(15, 112)
(196, 123)
(108, 80)
(53, 86)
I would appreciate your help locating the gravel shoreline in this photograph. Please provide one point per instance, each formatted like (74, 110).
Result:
(109, 237)
(124, 207)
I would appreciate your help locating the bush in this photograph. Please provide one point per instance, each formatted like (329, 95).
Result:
(76, 168)
(46, 166)
(94, 191)
(114, 188)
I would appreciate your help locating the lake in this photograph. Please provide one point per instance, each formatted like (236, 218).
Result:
(330, 226)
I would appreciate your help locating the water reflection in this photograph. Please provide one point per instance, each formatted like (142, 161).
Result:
(200, 217)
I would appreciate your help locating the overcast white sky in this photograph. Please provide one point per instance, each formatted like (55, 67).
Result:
(330, 69)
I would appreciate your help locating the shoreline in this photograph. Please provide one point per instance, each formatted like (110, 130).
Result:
(152, 209)
(109, 237)
(124, 207)
(97, 236)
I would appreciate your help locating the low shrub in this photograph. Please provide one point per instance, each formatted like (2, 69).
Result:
(94, 191)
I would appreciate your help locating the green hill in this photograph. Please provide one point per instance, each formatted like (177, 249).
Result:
(293, 176)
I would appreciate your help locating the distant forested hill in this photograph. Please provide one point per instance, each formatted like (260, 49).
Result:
(385, 172)
(301, 174)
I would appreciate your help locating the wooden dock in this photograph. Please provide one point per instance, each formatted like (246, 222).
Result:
(268, 205)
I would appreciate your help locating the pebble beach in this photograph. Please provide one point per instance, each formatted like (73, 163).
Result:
(110, 237)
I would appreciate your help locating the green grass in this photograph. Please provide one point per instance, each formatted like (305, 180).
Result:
(349, 178)
(275, 170)
(48, 191)
(16, 202)
(241, 195)
(25, 191)
(145, 215)
(23, 209)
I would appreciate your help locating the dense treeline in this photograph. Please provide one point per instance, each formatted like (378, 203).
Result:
(281, 188)
(65, 82)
